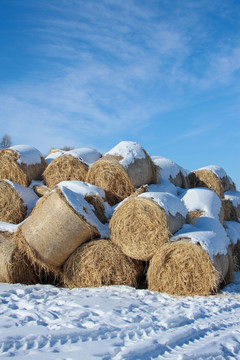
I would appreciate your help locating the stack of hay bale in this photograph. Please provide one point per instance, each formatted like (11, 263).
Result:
(123, 218)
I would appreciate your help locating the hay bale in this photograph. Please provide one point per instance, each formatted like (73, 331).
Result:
(14, 266)
(142, 224)
(233, 230)
(21, 164)
(211, 236)
(99, 263)
(169, 170)
(16, 202)
(183, 269)
(212, 177)
(123, 169)
(60, 222)
(69, 165)
(202, 202)
(232, 202)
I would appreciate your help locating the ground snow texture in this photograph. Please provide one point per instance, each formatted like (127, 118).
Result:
(117, 322)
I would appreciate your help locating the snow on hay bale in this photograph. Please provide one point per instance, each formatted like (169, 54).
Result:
(231, 203)
(233, 230)
(21, 164)
(141, 224)
(183, 269)
(212, 177)
(70, 165)
(122, 169)
(169, 170)
(202, 202)
(16, 201)
(14, 267)
(100, 263)
(61, 221)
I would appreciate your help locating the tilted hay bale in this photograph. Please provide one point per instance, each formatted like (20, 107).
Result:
(212, 177)
(99, 263)
(60, 222)
(121, 170)
(21, 164)
(14, 266)
(203, 202)
(183, 269)
(169, 170)
(70, 165)
(141, 224)
(232, 205)
(16, 202)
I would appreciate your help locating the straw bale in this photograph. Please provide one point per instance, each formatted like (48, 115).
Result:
(230, 212)
(14, 266)
(139, 227)
(20, 173)
(64, 168)
(121, 181)
(43, 273)
(10, 169)
(12, 209)
(207, 178)
(184, 269)
(111, 176)
(54, 230)
(100, 263)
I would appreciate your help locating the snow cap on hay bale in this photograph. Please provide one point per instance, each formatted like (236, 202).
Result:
(70, 165)
(233, 231)
(62, 220)
(21, 164)
(231, 202)
(14, 266)
(169, 170)
(183, 269)
(212, 237)
(141, 224)
(100, 263)
(122, 169)
(16, 201)
(212, 177)
(203, 202)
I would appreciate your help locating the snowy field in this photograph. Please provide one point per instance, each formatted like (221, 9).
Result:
(117, 322)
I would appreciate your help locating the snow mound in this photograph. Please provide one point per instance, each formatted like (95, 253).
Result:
(170, 203)
(129, 151)
(201, 199)
(29, 155)
(233, 196)
(233, 230)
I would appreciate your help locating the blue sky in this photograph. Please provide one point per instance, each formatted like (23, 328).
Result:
(90, 73)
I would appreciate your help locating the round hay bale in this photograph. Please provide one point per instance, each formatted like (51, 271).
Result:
(232, 198)
(21, 164)
(14, 266)
(40, 190)
(233, 230)
(169, 170)
(142, 224)
(183, 269)
(60, 222)
(123, 169)
(202, 202)
(16, 202)
(69, 165)
(212, 177)
(64, 168)
(100, 263)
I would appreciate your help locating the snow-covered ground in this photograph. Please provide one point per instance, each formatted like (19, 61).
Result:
(117, 322)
